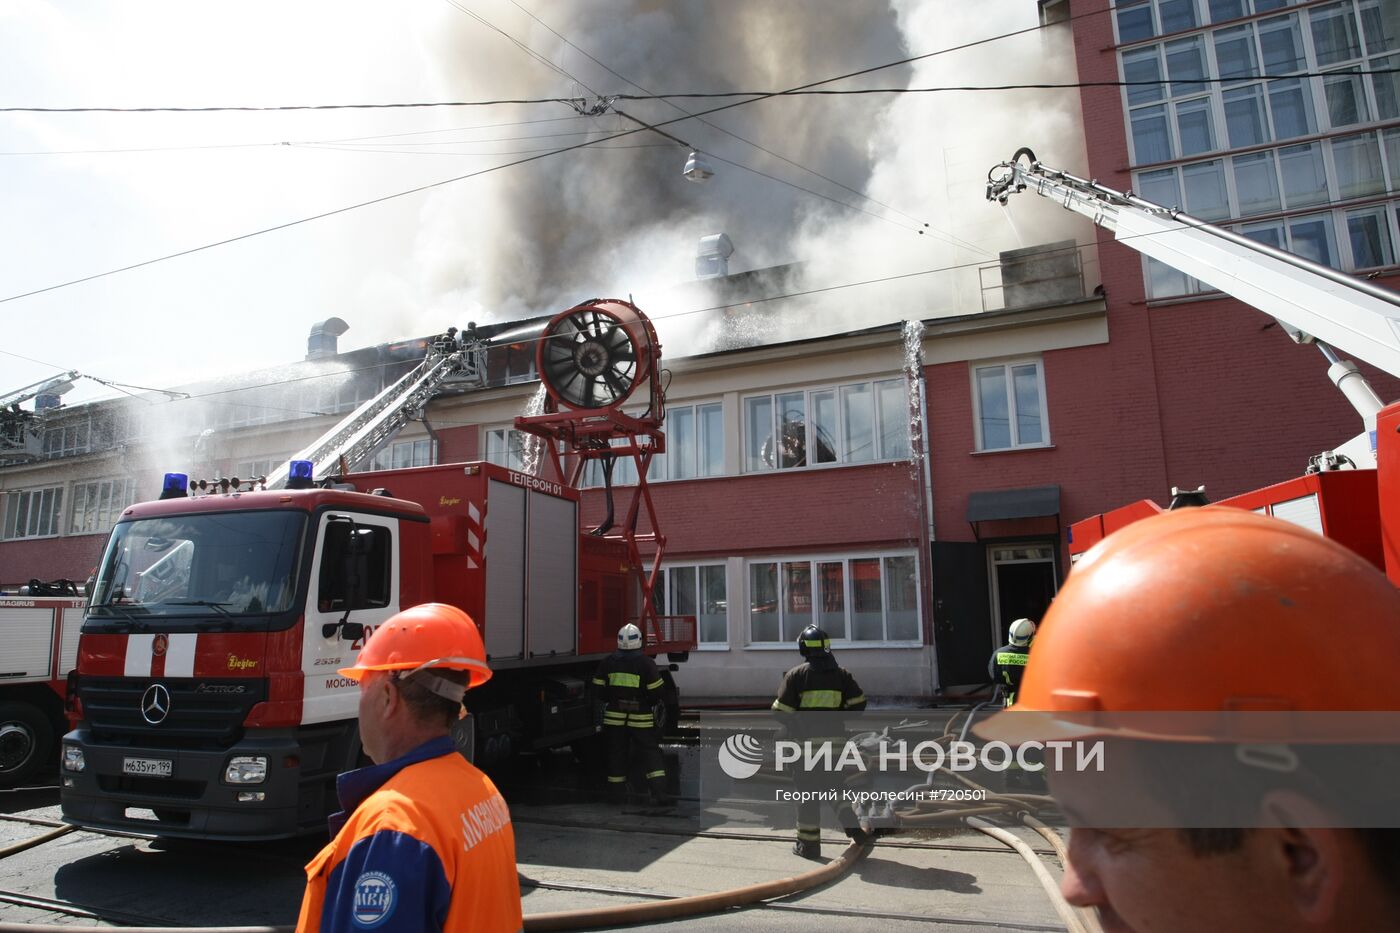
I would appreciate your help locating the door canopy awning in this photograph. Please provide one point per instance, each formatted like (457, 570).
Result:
(1002, 505)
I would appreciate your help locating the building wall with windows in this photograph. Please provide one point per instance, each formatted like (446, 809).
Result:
(1312, 164)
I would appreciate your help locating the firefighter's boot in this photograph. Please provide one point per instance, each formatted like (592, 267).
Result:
(802, 848)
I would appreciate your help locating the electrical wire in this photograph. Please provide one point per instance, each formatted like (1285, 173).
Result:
(522, 161)
(749, 142)
(719, 95)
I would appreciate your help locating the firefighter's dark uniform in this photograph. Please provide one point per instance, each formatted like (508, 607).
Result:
(630, 686)
(818, 684)
(1006, 666)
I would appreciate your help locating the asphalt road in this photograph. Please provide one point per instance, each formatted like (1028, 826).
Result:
(573, 853)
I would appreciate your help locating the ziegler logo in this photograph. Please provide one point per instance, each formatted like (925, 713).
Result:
(534, 482)
(444, 502)
(235, 663)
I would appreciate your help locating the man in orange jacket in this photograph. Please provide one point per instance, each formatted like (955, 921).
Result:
(1240, 672)
(425, 841)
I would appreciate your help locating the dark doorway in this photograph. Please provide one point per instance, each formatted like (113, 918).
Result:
(1024, 582)
(962, 613)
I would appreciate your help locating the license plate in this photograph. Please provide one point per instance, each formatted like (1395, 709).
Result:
(148, 767)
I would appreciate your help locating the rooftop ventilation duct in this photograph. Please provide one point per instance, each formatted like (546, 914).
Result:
(1042, 275)
(712, 258)
(324, 338)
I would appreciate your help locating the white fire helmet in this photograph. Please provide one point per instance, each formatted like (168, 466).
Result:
(1022, 630)
(629, 637)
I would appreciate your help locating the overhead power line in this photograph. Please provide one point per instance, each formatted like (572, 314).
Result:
(809, 91)
(533, 158)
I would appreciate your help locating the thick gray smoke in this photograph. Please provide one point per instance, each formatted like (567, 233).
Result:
(619, 219)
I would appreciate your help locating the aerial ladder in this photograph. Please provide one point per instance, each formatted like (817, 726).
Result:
(1312, 302)
(15, 432)
(452, 359)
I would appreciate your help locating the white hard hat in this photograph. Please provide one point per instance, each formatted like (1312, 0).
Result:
(1022, 631)
(629, 637)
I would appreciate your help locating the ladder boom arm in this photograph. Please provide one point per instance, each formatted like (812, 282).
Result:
(371, 425)
(1312, 301)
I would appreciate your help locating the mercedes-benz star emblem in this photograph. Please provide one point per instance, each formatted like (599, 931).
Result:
(155, 704)
(159, 645)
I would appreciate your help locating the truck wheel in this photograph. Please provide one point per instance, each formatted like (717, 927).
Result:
(26, 743)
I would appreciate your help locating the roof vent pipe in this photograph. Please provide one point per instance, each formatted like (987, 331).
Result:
(323, 339)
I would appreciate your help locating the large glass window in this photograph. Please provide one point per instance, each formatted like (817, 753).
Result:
(1368, 231)
(1143, 65)
(1256, 182)
(1281, 45)
(1380, 24)
(1152, 140)
(871, 599)
(1303, 173)
(1346, 98)
(1186, 65)
(97, 505)
(1386, 87)
(1195, 126)
(506, 447)
(402, 455)
(1206, 196)
(1010, 405)
(1291, 106)
(1245, 120)
(857, 423)
(697, 590)
(1134, 20)
(1313, 237)
(1234, 53)
(32, 513)
(1334, 33)
(1358, 163)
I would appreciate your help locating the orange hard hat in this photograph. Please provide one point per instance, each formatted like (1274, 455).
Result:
(423, 637)
(1203, 611)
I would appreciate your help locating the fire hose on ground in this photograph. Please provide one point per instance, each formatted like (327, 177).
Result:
(588, 918)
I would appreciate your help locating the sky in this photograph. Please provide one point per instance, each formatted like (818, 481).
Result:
(85, 193)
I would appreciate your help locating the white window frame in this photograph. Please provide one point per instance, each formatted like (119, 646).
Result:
(1006, 366)
(496, 440)
(663, 465)
(668, 604)
(839, 440)
(383, 459)
(33, 520)
(120, 493)
(845, 557)
(260, 466)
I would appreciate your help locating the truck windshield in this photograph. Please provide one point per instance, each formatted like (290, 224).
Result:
(217, 564)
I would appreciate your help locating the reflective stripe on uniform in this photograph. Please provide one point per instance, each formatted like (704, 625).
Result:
(641, 720)
(600, 682)
(809, 835)
(621, 679)
(617, 780)
(656, 774)
(854, 700)
(1017, 658)
(782, 707)
(656, 684)
(816, 642)
(821, 699)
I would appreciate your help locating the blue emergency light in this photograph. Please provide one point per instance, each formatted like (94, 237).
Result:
(301, 475)
(176, 486)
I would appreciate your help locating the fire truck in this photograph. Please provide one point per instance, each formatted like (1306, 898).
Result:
(207, 701)
(41, 647)
(1350, 494)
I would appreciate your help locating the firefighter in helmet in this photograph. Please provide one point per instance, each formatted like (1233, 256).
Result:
(1293, 729)
(424, 844)
(629, 686)
(818, 684)
(1008, 662)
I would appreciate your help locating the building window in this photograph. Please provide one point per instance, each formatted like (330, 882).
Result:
(97, 505)
(1010, 405)
(858, 423)
(855, 600)
(399, 456)
(698, 590)
(694, 443)
(32, 513)
(505, 447)
(253, 469)
(67, 438)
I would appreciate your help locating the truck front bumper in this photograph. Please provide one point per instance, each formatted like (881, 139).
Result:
(194, 800)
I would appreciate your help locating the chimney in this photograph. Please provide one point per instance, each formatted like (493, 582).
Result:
(712, 259)
(322, 342)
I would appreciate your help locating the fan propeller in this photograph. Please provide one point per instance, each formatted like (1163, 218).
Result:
(594, 355)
